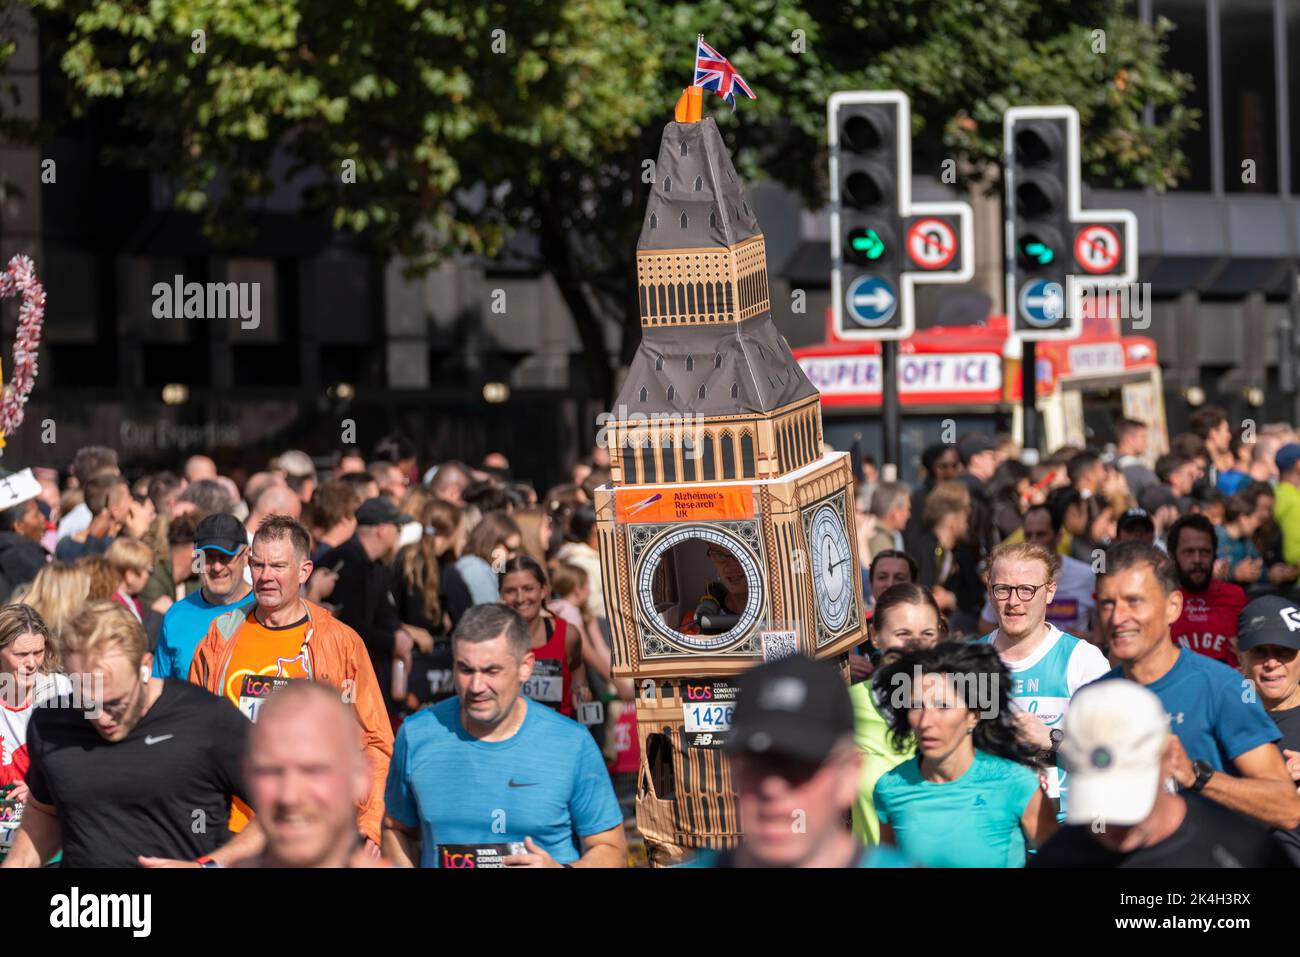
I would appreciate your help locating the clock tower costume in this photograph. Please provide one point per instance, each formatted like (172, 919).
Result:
(726, 533)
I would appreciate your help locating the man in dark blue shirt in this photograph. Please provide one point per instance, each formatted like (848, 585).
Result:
(1226, 746)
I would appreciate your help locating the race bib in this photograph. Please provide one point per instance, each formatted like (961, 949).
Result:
(547, 682)
(708, 708)
(253, 692)
(460, 856)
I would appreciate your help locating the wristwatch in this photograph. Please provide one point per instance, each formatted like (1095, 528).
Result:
(207, 861)
(1049, 754)
(1204, 771)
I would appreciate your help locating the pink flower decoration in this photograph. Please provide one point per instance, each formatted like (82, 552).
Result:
(20, 279)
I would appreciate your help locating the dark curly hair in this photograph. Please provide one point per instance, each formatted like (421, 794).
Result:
(980, 667)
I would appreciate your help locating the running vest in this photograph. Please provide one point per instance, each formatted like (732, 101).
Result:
(1041, 686)
(549, 683)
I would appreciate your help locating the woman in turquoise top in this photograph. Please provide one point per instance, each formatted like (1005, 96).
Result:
(972, 796)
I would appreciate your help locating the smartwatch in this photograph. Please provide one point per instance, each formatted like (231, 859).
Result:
(207, 861)
(1204, 771)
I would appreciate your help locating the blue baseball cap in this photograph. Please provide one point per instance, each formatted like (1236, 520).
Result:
(1287, 456)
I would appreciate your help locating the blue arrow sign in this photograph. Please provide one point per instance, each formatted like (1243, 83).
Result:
(1042, 302)
(870, 300)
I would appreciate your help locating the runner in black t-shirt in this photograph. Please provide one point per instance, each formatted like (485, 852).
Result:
(1204, 834)
(1118, 752)
(134, 769)
(1268, 642)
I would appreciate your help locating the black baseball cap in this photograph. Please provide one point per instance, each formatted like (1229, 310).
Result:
(221, 531)
(381, 511)
(1135, 516)
(795, 707)
(1269, 620)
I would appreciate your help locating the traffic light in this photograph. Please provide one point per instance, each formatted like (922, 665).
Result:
(869, 221)
(1037, 198)
(1053, 249)
(882, 243)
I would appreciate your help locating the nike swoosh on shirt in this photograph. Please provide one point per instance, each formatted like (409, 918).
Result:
(515, 784)
(150, 739)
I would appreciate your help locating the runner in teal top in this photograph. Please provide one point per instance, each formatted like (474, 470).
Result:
(973, 821)
(972, 795)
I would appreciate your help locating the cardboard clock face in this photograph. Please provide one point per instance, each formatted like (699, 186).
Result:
(668, 561)
(833, 570)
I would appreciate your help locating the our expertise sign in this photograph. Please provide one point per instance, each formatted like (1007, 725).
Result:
(920, 375)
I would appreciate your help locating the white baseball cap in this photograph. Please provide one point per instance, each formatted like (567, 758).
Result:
(1115, 737)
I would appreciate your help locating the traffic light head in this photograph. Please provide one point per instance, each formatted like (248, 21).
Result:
(1038, 213)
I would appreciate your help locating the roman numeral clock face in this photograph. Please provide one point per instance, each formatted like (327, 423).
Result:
(831, 560)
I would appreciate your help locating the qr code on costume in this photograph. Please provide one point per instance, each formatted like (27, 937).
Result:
(780, 644)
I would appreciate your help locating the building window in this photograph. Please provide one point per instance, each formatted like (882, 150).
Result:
(654, 220)
(648, 470)
(717, 360)
(670, 463)
(683, 220)
(659, 363)
(690, 363)
(747, 469)
(670, 393)
(629, 461)
(668, 184)
(688, 458)
(728, 456)
(701, 392)
(1188, 52)
(710, 464)
(644, 394)
(713, 219)
(735, 390)
(1249, 96)
(685, 149)
(699, 183)
(1293, 98)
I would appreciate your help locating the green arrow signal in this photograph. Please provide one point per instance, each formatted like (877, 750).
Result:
(868, 242)
(1040, 252)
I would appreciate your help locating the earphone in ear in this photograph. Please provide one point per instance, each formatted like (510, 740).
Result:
(144, 674)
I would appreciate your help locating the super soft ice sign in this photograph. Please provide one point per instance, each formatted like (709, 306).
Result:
(918, 375)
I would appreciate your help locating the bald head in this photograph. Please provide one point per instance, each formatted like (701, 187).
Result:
(198, 467)
(276, 500)
(306, 774)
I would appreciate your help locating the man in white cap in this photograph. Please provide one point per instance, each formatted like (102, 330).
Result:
(1119, 751)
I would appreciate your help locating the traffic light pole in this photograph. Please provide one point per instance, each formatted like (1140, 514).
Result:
(1028, 394)
(890, 411)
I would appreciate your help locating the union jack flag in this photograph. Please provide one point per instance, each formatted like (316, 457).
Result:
(714, 72)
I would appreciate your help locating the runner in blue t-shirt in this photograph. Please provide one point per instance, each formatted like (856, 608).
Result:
(220, 540)
(1226, 747)
(1047, 666)
(489, 779)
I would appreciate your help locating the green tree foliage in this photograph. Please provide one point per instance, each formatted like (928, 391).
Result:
(465, 120)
